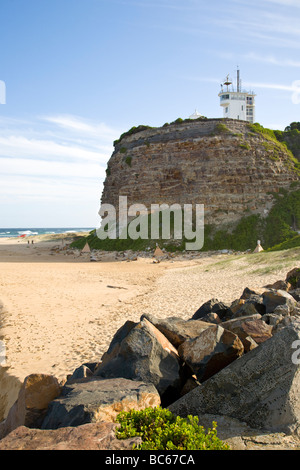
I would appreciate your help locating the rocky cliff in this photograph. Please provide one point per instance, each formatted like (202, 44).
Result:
(230, 166)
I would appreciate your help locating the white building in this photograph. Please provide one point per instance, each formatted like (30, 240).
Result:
(195, 115)
(237, 103)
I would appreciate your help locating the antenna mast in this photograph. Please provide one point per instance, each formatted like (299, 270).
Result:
(238, 80)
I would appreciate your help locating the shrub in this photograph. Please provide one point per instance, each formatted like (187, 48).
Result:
(287, 245)
(133, 130)
(177, 121)
(221, 128)
(162, 430)
(128, 160)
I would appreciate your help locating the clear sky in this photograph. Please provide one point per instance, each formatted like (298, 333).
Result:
(78, 73)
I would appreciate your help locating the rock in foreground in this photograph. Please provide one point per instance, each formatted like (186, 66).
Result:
(261, 388)
(145, 354)
(37, 391)
(93, 436)
(94, 400)
(214, 349)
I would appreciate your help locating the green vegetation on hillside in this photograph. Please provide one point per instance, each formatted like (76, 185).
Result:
(135, 130)
(287, 245)
(276, 143)
(291, 137)
(222, 128)
(278, 227)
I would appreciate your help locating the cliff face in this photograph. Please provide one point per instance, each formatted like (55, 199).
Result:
(224, 164)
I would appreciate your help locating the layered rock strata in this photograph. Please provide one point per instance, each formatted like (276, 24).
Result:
(220, 163)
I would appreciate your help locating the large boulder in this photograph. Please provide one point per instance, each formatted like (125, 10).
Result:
(279, 285)
(250, 307)
(248, 293)
(80, 373)
(235, 306)
(92, 436)
(261, 388)
(293, 278)
(211, 351)
(36, 392)
(145, 354)
(115, 344)
(239, 436)
(212, 306)
(251, 326)
(295, 293)
(253, 305)
(275, 298)
(177, 330)
(94, 400)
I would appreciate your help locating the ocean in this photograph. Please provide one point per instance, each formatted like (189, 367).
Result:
(17, 232)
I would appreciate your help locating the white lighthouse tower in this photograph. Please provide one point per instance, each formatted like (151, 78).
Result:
(237, 104)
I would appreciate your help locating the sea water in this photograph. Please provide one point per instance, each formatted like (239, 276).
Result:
(17, 232)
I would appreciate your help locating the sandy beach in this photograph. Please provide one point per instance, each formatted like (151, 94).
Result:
(61, 310)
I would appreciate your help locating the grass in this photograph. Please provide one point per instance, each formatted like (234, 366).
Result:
(268, 269)
(278, 145)
(271, 262)
(245, 146)
(261, 264)
(291, 243)
(132, 131)
(273, 230)
(222, 129)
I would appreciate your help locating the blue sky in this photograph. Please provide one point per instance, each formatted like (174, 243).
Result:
(78, 73)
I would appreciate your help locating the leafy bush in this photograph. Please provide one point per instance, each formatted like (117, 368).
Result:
(291, 137)
(242, 236)
(292, 127)
(177, 121)
(284, 214)
(162, 430)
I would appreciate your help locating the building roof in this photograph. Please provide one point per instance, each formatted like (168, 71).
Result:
(195, 115)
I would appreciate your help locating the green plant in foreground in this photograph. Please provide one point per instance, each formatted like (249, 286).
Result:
(162, 430)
